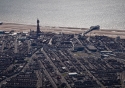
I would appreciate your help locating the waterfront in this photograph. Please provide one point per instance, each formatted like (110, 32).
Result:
(67, 13)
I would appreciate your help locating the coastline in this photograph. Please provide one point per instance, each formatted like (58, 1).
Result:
(26, 28)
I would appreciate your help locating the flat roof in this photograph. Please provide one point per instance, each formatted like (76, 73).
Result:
(73, 73)
(106, 51)
(91, 47)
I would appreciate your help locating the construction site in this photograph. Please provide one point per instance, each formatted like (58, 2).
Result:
(37, 59)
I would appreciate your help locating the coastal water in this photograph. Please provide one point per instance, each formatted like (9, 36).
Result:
(74, 13)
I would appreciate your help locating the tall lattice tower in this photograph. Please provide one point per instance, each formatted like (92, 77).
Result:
(38, 27)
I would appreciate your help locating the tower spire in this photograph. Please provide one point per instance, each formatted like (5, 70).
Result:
(38, 27)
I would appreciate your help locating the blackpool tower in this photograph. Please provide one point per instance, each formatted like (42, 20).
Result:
(38, 27)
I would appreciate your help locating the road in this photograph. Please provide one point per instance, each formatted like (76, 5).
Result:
(56, 69)
(24, 68)
(90, 74)
(48, 75)
(39, 76)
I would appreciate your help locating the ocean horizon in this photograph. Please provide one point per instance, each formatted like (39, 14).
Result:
(109, 14)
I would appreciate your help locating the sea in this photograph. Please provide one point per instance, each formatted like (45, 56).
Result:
(109, 14)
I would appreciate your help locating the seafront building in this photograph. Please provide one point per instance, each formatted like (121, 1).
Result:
(49, 60)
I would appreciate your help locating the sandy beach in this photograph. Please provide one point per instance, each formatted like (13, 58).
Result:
(67, 30)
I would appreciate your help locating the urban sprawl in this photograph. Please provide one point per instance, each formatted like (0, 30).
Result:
(39, 59)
